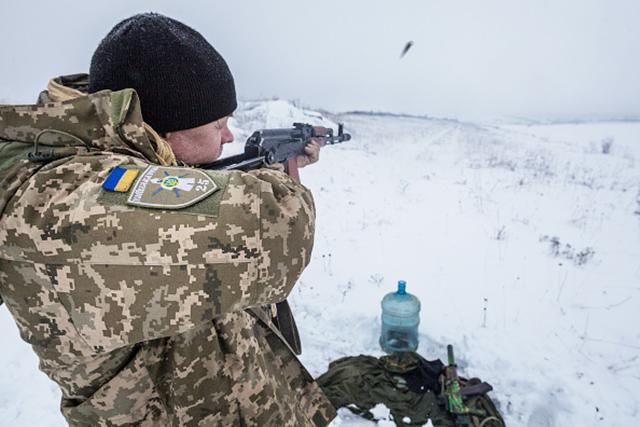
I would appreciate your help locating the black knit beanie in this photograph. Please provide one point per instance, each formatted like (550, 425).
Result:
(182, 81)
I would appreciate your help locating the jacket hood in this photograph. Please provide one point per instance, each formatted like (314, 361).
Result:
(103, 121)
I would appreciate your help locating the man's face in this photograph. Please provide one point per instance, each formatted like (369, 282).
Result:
(202, 144)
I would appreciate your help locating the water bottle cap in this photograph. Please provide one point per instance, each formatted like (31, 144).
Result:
(402, 287)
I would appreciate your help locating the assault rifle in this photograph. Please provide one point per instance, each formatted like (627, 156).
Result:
(267, 146)
(452, 393)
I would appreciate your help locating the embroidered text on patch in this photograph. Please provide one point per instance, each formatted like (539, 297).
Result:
(170, 187)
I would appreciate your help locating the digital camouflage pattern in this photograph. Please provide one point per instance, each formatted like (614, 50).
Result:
(140, 314)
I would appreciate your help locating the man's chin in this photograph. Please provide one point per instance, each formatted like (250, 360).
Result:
(212, 158)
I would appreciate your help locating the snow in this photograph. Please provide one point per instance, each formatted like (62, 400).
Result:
(521, 241)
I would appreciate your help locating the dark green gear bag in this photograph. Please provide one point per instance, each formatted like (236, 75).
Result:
(409, 386)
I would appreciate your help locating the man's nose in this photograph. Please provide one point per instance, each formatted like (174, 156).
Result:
(227, 136)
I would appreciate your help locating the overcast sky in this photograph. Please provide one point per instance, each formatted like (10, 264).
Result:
(536, 58)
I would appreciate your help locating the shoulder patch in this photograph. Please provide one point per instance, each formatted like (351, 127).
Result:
(165, 187)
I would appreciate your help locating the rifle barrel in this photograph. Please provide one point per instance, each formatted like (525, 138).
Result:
(452, 360)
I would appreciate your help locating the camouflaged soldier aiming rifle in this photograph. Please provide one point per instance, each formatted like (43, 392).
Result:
(146, 287)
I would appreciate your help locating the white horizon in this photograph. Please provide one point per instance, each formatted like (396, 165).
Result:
(550, 60)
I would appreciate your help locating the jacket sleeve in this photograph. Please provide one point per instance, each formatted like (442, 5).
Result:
(127, 274)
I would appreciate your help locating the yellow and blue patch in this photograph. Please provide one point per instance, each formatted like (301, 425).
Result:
(120, 179)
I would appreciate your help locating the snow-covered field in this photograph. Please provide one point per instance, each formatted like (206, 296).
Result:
(522, 242)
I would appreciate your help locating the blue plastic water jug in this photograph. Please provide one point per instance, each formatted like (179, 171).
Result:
(400, 319)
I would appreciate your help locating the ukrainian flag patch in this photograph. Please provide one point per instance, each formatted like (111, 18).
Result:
(120, 179)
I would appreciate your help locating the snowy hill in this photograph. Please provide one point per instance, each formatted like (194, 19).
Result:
(522, 242)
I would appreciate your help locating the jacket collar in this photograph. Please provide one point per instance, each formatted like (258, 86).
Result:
(103, 121)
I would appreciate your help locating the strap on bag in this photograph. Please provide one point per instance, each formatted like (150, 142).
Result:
(286, 324)
(279, 320)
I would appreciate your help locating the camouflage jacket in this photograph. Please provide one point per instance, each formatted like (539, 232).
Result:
(139, 314)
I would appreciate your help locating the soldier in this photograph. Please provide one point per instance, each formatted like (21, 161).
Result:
(144, 286)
